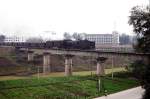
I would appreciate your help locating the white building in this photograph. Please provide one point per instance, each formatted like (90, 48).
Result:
(14, 39)
(104, 39)
(118, 48)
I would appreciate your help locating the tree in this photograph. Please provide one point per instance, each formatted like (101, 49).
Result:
(2, 38)
(34, 40)
(140, 20)
(124, 39)
(137, 68)
(77, 36)
(67, 36)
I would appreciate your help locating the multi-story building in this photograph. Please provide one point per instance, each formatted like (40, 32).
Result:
(104, 39)
(119, 48)
(108, 42)
(14, 39)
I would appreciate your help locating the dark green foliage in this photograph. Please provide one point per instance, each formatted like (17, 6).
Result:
(137, 68)
(124, 74)
(140, 20)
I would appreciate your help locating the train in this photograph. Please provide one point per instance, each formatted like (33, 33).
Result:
(56, 44)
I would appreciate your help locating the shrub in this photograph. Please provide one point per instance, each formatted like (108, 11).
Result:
(137, 68)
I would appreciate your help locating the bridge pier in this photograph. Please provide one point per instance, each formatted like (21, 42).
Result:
(46, 63)
(100, 67)
(30, 56)
(68, 65)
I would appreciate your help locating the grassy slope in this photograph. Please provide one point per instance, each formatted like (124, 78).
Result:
(60, 87)
(9, 64)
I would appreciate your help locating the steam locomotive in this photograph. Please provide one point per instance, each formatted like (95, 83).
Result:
(57, 44)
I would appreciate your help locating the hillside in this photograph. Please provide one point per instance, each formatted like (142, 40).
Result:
(8, 64)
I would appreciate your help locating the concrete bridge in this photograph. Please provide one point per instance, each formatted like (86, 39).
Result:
(100, 57)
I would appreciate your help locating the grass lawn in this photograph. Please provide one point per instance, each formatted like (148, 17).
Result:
(107, 71)
(60, 74)
(74, 87)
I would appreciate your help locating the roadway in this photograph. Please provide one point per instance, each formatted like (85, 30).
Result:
(134, 93)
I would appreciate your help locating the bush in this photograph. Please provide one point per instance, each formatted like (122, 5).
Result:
(141, 71)
(137, 69)
(124, 74)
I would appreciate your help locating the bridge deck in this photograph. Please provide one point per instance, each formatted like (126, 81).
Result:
(84, 52)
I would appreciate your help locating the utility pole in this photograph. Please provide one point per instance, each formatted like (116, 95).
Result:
(112, 64)
(38, 73)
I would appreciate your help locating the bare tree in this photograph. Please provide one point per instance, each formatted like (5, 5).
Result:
(77, 36)
(35, 40)
(67, 36)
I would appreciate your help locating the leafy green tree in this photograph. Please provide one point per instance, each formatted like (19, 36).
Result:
(2, 38)
(137, 68)
(140, 20)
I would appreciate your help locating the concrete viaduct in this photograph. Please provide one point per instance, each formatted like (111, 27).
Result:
(69, 54)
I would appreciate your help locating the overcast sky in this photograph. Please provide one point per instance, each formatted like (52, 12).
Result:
(34, 17)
